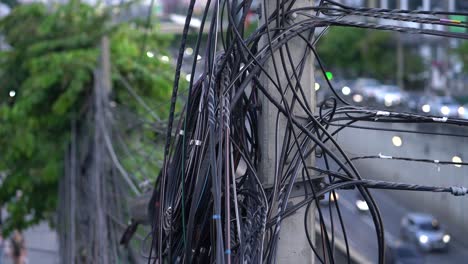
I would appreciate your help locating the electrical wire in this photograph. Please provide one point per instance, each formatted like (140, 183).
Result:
(212, 202)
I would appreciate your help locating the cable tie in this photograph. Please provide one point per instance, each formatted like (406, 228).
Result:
(438, 119)
(445, 20)
(181, 132)
(458, 191)
(227, 252)
(384, 157)
(454, 21)
(216, 216)
(437, 164)
(382, 113)
(196, 142)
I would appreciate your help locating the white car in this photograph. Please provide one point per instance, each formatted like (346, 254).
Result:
(366, 87)
(361, 204)
(389, 95)
(425, 231)
(464, 111)
(446, 106)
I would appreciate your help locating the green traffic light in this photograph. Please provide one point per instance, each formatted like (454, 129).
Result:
(329, 75)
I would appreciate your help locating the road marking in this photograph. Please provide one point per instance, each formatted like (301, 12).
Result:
(365, 219)
(388, 235)
(340, 244)
(346, 204)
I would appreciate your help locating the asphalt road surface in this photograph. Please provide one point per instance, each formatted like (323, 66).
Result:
(361, 233)
(394, 205)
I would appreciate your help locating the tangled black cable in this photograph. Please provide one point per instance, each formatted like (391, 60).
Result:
(210, 203)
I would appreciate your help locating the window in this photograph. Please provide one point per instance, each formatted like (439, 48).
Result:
(415, 4)
(430, 226)
(461, 5)
(438, 5)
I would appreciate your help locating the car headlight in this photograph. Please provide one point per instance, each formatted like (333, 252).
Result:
(423, 239)
(461, 110)
(445, 110)
(362, 205)
(446, 238)
(426, 108)
(346, 90)
(388, 100)
(334, 197)
(317, 86)
(357, 98)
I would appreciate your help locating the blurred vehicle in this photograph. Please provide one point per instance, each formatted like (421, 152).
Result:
(424, 104)
(414, 101)
(446, 106)
(329, 198)
(403, 253)
(464, 114)
(389, 95)
(344, 87)
(341, 87)
(321, 88)
(366, 87)
(361, 204)
(425, 231)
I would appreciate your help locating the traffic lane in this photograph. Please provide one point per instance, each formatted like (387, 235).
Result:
(445, 206)
(392, 212)
(361, 232)
(360, 236)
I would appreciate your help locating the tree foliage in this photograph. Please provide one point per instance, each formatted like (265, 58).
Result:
(359, 52)
(462, 53)
(50, 67)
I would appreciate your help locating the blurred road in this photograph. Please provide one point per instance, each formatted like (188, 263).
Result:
(394, 205)
(361, 233)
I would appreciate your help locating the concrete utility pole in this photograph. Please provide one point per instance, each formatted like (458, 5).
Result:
(383, 3)
(293, 246)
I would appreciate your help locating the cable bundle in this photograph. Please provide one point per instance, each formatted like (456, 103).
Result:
(210, 202)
